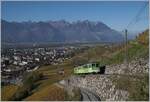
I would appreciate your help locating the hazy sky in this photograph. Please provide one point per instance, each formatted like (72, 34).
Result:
(115, 14)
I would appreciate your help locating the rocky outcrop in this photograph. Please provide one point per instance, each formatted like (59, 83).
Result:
(137, 66)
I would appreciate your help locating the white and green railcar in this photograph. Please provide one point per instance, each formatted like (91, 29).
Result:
(89, 68)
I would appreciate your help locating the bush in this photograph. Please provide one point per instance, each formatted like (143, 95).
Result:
(20, 94)
(28, 85)
(32, 77)
(143, 38)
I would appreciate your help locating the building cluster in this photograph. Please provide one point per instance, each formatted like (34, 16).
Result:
(16, 62)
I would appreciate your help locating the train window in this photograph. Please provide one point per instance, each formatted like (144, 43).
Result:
(93, 65)
(97, 65)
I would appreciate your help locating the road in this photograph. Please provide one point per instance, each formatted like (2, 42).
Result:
(88, 95)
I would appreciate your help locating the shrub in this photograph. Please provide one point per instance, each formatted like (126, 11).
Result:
(143, 38)
(28, 85)
(20, 94)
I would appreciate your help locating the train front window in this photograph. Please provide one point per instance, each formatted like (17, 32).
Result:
(93, 65)
(97, 65)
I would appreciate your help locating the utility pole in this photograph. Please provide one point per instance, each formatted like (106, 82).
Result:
(126, 49)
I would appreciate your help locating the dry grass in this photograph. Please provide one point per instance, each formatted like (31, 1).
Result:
(8, 91)
(51, 76)
(48, 93)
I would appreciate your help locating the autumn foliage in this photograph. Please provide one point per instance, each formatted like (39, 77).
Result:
(143, 37)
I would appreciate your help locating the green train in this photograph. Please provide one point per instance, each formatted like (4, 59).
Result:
(94, 67)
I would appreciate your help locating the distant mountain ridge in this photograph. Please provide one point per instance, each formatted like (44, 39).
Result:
(58, 31)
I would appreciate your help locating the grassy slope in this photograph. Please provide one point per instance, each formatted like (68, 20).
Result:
(8, 91)
(134, 50)
(46, 86)
(136, 86)
(48, 93)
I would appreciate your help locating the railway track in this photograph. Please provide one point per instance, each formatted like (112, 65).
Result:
(88, 95)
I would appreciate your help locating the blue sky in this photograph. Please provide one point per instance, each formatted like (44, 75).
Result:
(115, 14)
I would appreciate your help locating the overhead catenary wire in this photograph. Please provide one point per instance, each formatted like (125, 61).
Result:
(136, 18)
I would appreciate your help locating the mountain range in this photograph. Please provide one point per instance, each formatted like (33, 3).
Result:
(57, 31)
